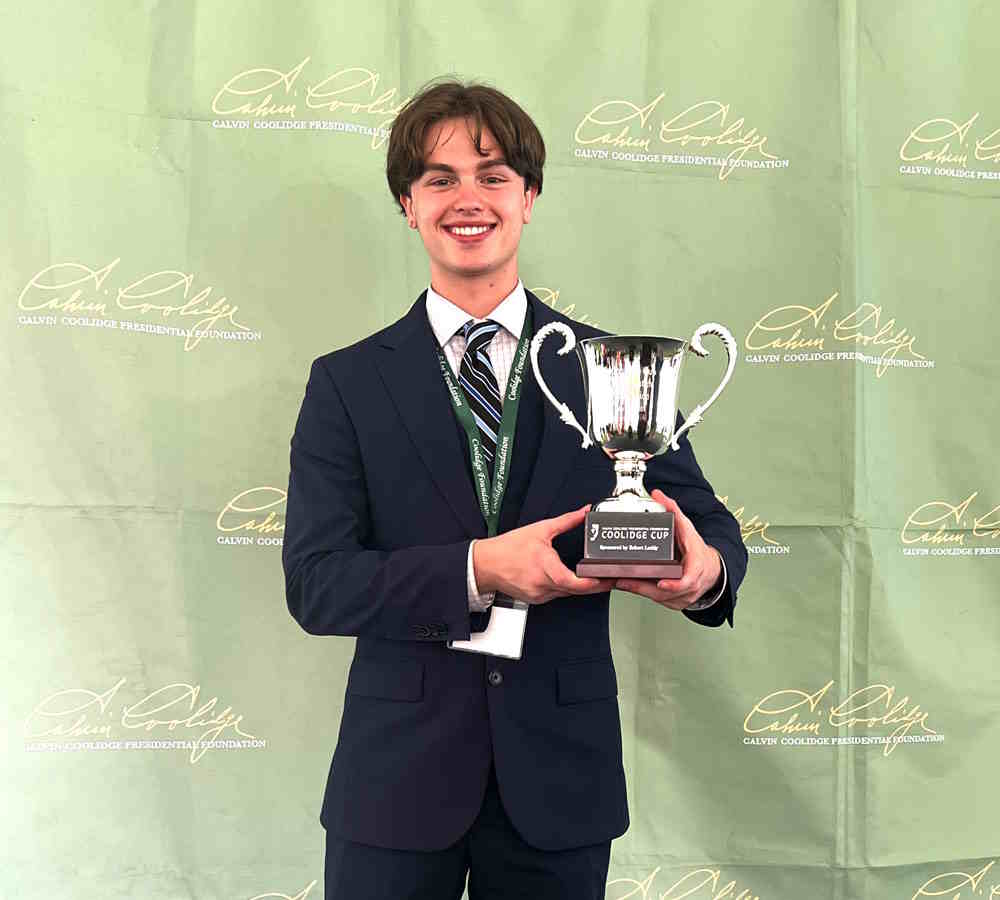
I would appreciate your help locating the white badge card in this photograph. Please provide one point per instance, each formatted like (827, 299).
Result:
(504, 635)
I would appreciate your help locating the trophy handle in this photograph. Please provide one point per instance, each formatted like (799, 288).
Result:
(569, 342)
(696, 346)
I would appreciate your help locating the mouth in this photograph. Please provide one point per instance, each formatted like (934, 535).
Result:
(471, 232)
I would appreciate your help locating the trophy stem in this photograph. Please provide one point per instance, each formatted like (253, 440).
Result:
(630, 495)
(630, 469)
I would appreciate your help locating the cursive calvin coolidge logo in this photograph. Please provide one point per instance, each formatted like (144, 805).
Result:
(623, 130)
(939, 528)
(797, 333)
(959, 885)
(84, 296)
(754, 532)
(253, 516)
(799, 718)
(176, 709)
(942, 146)
(698, 884)
(550, 297)
(266, 94)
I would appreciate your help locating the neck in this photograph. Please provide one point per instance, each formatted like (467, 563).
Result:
(476, 296)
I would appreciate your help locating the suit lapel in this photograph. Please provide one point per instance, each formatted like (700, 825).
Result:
(560, 443)
(408, 365)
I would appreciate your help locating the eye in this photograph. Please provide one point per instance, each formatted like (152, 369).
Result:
(495, 179)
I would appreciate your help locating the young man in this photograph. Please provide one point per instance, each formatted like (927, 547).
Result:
(453, 763)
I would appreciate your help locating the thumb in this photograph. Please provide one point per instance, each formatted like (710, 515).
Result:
(682, 524)
(567, 521)
(667, 503)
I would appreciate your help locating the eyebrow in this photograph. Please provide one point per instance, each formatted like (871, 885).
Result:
(485, 164)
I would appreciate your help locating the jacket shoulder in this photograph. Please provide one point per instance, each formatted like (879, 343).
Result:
(349, 360)
(343, 360)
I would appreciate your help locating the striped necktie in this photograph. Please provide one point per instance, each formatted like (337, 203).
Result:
(475, 375)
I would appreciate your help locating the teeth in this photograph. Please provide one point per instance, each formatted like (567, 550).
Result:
(470, 230)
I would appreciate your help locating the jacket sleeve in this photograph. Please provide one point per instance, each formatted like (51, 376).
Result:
(336, 582)
(678, 475)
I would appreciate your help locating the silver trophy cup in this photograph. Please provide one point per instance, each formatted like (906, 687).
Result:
(631, 385)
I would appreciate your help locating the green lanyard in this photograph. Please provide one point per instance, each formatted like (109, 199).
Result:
(491, 495)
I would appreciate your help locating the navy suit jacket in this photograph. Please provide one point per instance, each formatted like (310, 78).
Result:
(381, 510)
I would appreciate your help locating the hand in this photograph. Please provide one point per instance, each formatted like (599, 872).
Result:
(523, 564)
(701, 564)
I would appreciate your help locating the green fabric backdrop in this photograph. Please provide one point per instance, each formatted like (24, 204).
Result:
(822, 177)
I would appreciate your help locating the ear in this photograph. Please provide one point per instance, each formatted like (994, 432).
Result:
(407, 203)
(529, 203)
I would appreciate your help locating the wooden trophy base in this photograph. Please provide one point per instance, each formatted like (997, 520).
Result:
(610, 568)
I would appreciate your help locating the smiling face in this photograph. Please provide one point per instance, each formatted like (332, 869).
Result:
(469, 209)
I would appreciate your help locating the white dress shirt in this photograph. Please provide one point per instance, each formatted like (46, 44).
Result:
(446, 321)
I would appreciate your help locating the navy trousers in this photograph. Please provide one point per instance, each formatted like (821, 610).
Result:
(498, 863)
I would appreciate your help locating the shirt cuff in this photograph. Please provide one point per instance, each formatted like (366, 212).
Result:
(706, 600)
(477, 602)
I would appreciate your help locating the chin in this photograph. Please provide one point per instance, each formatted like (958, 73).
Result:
(476, 271)
(468, 268)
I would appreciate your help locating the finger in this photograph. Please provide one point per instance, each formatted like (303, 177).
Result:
(565, 522)
(674, 587)
(655, 590)
(670, 505)
(680, 603)
(566, 582)
(641, 586)
(692, 572)
(649, 589)
(592, 585)
(645, 588)
(569, 582)
(684, 531)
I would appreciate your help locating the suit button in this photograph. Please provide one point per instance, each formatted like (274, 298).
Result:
(495, 678)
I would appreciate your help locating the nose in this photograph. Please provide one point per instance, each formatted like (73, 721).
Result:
(467, 198)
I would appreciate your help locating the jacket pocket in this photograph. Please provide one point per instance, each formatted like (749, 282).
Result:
(586, 679)
(387, 679)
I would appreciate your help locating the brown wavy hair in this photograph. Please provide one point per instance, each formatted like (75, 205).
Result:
(486, 108)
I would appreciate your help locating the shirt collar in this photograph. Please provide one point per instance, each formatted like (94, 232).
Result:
(446, 318)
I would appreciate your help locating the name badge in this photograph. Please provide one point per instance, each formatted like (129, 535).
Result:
(503, 635)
